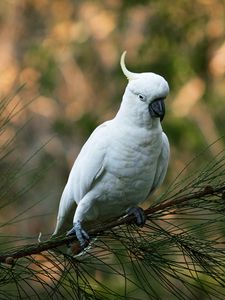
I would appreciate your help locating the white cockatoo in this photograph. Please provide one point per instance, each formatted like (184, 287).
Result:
(123, 161)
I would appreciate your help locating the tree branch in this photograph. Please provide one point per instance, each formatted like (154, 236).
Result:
(37, 248)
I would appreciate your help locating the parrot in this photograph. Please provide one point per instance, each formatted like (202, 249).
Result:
(123, 161)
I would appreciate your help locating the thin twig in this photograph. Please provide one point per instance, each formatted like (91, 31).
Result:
(53, 243)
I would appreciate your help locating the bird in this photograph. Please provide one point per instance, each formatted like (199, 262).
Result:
(123, 161)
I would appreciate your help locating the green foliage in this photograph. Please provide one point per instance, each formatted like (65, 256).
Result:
(87, 123)
(43, 61)
(68, 54)
(184, 135)
(178, 254)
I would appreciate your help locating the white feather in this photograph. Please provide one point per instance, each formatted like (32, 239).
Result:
(122, 162)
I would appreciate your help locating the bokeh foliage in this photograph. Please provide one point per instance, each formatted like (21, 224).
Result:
(67, 55)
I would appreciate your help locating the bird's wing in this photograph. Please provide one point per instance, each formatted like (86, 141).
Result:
(89, 164)
(87, 169)
(162, 164)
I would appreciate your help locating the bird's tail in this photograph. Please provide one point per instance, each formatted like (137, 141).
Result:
(67, 207)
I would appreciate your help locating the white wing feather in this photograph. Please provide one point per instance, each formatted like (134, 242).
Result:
(162, 165)
(89, 164)
(87, 169)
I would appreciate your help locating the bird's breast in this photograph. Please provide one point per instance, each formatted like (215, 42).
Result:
(131, 165)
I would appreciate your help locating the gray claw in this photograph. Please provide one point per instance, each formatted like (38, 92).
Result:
(139, 215)
(80, 233)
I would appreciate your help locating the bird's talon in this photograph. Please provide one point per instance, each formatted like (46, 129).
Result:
(80, 233)
(71, 232)
(138, 212)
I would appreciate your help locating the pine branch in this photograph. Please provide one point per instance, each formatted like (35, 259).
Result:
(167, 204)
(179, 251)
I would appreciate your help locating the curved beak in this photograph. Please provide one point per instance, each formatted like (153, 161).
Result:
(157, 108)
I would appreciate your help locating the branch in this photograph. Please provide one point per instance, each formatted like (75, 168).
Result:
(37, 248)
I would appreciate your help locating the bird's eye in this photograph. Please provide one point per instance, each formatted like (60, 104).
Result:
(142, 97)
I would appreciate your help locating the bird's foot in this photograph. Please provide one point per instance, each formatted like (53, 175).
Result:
(80, 233)
(138, 212)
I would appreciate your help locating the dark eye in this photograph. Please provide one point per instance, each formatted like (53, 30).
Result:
(141, 97)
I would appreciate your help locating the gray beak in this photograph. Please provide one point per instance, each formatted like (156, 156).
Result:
(157, 108)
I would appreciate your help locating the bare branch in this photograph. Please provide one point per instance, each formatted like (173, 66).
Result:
(37, 248)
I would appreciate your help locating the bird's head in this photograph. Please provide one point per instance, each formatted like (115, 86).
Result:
(146, 92)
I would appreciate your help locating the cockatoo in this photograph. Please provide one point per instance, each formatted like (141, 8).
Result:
(123, 161)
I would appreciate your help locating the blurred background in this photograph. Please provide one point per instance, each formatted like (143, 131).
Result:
(66, 54)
